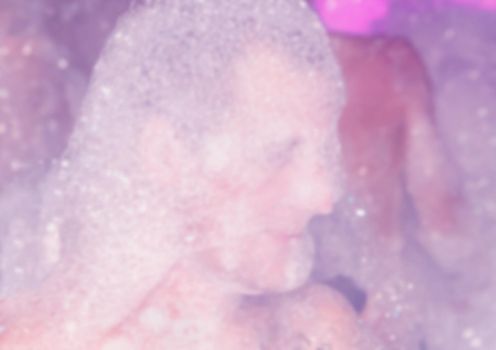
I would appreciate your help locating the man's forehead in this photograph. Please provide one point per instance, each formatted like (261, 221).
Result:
(273, 88)
(265, 60)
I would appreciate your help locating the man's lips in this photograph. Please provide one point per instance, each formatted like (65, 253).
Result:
(291, 235)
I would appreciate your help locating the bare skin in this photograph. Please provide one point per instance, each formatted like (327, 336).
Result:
(312, 316)
(198, 304)
(390, 141)
(316, 318)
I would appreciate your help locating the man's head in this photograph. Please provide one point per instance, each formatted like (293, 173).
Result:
(260, 176)
(229, 110)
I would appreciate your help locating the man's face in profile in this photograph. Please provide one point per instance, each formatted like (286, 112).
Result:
(268, 172)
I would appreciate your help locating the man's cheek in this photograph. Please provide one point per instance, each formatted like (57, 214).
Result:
(275, 263)
(273, 189)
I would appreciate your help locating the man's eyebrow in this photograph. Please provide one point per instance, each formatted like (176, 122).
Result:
(287, 141)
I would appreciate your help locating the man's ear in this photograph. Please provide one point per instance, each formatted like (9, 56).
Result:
(161, 152)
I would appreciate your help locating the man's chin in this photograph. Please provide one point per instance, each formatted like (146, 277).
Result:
(286, 274)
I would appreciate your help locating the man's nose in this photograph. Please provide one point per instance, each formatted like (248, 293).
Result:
(316, 192)
(324, 198)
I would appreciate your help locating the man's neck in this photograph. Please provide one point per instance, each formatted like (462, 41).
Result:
(194, 292)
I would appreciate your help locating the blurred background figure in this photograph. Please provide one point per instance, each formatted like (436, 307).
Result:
(392, 151)
(402, 185)
(403, 219)
(393, 155)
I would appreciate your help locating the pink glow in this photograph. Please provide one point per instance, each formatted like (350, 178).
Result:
(356, 16)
